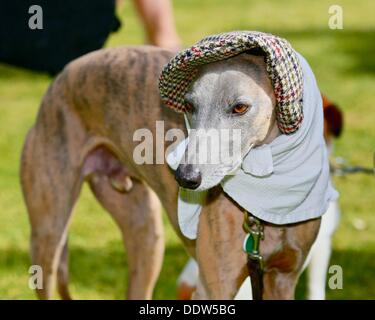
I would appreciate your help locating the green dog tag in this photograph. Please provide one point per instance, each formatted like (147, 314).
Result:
(248, 243)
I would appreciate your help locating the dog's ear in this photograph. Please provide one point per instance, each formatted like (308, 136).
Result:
(333, 117)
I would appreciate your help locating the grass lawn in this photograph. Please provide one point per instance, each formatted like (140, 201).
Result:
(344, 64)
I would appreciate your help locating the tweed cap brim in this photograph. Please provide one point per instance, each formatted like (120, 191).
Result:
(282, 65)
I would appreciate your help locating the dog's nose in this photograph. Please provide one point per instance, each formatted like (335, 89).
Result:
(187, 177)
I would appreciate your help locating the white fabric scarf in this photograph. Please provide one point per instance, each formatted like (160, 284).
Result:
(283, 182)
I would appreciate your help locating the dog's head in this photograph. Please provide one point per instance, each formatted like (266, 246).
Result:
(231, 108)
(237, 89)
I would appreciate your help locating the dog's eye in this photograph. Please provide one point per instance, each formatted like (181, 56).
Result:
(240, 108)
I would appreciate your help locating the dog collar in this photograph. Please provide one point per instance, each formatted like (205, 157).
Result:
(282, 64)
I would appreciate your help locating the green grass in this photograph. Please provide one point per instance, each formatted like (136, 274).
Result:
(344, 64)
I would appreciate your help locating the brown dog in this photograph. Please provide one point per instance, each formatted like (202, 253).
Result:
(84, 131)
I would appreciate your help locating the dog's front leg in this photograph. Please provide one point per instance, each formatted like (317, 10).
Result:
(285, 250)
(222, 263)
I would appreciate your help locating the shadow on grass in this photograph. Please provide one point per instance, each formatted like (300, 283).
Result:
(103, 272)
(358, 276)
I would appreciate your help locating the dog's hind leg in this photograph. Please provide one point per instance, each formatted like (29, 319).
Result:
(138, 214)
(63, 274)
(51, 181)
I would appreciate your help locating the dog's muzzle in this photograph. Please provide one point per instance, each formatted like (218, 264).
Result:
(187, 177)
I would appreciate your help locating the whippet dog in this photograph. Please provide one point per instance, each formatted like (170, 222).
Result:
(317, 262)
(84, 132)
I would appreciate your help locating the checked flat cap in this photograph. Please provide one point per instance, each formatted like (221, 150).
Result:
(282, 63)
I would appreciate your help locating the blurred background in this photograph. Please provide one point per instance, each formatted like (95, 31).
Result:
(344, 64)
